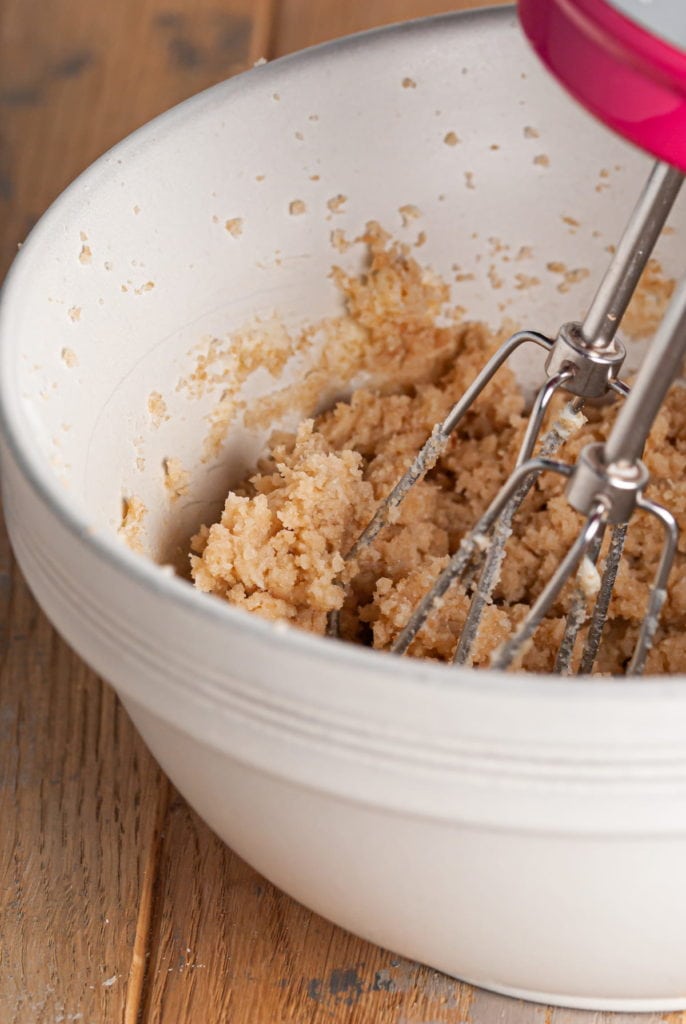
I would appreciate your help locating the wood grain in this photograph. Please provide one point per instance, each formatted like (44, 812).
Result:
(251, 953)
(117, 903)
(300, 23)
(82, 803)
(78, 793)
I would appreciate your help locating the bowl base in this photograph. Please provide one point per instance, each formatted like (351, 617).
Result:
(576, 1002)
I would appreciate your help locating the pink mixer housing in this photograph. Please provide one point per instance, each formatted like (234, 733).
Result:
(629, 78)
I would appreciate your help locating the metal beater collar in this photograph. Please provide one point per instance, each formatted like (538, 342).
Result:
(616, 485)
(594, 366)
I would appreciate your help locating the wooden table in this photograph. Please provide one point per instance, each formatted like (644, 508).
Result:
(117, 904)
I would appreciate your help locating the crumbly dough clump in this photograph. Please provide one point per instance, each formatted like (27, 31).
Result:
(278, 547)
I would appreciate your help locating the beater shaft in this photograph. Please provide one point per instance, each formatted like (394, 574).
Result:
(661, 366)
(633, 251)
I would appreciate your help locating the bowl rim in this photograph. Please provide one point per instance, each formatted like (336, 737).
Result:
(141, 569)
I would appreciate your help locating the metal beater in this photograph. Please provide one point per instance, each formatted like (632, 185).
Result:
(607, 483)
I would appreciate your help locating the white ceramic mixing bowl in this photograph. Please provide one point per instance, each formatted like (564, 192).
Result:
(527, 834)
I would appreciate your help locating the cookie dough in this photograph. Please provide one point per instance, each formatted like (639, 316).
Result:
(278, 548)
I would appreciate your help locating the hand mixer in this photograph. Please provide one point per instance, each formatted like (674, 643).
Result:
(626, 61)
